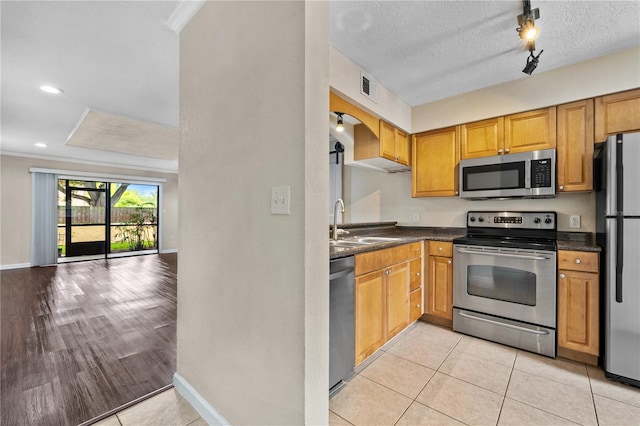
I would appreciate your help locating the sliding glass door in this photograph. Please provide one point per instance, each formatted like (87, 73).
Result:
(106, 218)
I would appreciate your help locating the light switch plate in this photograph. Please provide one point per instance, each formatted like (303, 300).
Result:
(416, 218)
(281, 200)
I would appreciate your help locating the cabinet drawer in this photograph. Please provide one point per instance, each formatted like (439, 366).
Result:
(374, 260)
(440, 248)
(415, 250)
(415, 299)
(415, 271)
(578, 260)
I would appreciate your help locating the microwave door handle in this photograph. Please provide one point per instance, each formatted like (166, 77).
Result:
(527, 174)
(498, 254)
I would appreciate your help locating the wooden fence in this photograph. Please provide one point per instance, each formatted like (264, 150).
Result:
(84, 215)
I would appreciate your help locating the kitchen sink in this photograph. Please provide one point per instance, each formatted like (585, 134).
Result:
(347, 243)
(373, 240)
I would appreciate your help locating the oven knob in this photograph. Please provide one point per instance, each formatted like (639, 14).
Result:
(472, 219)
(481, 219)
(536, 220)
(548, 220)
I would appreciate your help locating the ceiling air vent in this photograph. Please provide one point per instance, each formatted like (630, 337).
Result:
(368, 86)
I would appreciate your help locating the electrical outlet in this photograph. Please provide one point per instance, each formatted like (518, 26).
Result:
(416, 217)
(574, 221)
(281, 200)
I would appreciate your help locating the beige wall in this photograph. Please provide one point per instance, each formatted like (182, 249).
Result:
(15, 203)
(252, 286)
(373, 196)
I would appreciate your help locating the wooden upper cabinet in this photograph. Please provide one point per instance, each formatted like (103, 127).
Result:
(482, 138)
(575, 146)
(402, 147)
(530, 131)
(394, 144)
(434, 158)
(617, 113)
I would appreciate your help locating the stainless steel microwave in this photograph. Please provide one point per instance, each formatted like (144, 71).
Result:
(524, 175)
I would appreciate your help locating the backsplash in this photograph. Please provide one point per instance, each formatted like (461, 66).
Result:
(372, 196)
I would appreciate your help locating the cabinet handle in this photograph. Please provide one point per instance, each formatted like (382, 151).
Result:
(449, 261)
(506, 150)
(456, 192)
(562, 276)
(388, 272)
(439, 248)
(561, 187)
(417, 274)
(418, 305)
(499, 151)
(578, 260)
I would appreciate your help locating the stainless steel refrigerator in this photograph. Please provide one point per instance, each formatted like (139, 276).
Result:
(617, 173)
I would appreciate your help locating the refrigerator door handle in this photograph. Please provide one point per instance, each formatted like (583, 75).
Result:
(619, 257)
(619, 176)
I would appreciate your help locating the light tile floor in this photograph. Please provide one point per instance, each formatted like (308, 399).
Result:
(165, 409)
(434, 376)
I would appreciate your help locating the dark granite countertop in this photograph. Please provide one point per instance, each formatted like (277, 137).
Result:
(578, 241)
(404, 234)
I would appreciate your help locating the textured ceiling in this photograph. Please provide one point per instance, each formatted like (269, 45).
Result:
(122, 58)
(428, 50)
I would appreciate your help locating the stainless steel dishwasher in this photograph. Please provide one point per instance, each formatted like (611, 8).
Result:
(341, 321)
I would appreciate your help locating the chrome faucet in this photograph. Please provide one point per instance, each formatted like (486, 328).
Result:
(335, 217)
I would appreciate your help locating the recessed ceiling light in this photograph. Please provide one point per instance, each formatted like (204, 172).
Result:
(52, 90)
(41, 144)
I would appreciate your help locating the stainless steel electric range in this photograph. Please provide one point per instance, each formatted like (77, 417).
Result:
(504, 279)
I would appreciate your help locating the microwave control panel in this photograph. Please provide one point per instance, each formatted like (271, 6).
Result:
(541, 173)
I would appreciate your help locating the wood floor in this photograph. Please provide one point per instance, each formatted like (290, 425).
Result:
(80, 339)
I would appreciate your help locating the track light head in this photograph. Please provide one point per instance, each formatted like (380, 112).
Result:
(532, 63)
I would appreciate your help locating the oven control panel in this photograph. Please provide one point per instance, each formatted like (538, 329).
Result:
(518, 220)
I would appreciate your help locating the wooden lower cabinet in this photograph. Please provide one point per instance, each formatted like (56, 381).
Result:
(370, 312)
(440, 287)
(397, 299)
(385, 295)
(439, 297)
(578, 305)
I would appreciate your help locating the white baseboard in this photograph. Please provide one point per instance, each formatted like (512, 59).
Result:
(168, 251)
(206, 411)
(15, 266)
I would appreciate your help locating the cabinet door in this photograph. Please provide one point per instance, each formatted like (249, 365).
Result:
(434, 158)
(370, 310)
(482, 138)
(397, 299)
(387, 141)
(575, 146)
(617, 113)
(440, 287)
(578, 316)
(415, 300)
(530, 131)
(402, 147)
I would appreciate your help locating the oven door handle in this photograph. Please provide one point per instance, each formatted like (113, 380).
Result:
(512, 255)
(515, 327)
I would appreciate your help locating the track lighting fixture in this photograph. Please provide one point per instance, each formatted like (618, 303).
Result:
(529, 31)
(340, 125)
(532, 63)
